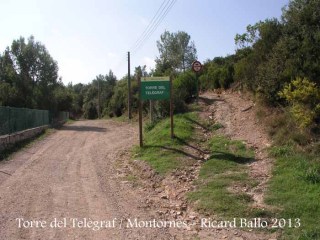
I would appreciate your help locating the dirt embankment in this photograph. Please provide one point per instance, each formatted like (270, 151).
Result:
(237, 115)
(167, 195)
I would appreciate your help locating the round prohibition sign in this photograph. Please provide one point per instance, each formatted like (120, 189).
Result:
(196, 66)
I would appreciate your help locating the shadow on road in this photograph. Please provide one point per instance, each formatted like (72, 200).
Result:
(84, 128)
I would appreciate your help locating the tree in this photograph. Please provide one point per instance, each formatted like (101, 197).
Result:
(176, 51)
(259, 58)
(31, 71)
(302, 38)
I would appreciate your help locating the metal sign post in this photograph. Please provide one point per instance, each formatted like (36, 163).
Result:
(197, 67)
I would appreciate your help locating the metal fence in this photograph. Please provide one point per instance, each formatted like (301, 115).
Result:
(18, 119)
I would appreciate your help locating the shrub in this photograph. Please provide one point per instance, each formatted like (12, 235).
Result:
(303, 97)
(184, 86)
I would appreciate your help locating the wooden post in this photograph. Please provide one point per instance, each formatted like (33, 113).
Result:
(171, 109)
(197, 80)
(129, 89)
(98, 98)
(140, 112)
(151, 111)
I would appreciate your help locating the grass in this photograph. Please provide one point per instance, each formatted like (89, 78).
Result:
(293, 191)
(225, 168)
(160, 151)
(70, 121)
(295, 188)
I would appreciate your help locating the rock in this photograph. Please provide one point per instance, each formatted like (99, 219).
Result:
(237, 238)
(160, 212)
(188, 228)
(183, 207)
(164, 197)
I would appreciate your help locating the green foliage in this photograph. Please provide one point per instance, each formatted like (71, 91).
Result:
(302, 38)
(160, 151)
(185, 85)
(28, 75)
(304, 99)
(63, 98)
(312, 174)
(225, 168)
(280, 51)
(217, 73)
(184, 89)
(177, 53)
(257, 66)
(90, 110)
(8, 94)
(118, 101)
(294, 189)
(85, 98)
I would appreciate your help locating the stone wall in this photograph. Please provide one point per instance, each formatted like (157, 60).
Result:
(8, 140)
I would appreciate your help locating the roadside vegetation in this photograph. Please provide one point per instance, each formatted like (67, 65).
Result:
(276, 62)
(295, 189)
(225, 168)
(160, 151)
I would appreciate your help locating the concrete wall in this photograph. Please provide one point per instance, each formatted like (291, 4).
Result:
(8, 140)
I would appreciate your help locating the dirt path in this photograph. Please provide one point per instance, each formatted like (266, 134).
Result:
(81, 171)
(238, 117)
(72, 174)
(167, 194)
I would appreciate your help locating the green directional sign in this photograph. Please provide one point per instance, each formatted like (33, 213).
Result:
(155, 88)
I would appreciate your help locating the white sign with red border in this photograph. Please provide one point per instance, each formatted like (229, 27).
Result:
(196, 66)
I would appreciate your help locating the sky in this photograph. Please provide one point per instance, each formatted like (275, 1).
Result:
(90, 37)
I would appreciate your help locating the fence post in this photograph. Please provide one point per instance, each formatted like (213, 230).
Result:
(9, 120)
(25, 117)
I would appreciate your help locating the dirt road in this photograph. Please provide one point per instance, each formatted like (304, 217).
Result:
(79, 174)
(70, 176)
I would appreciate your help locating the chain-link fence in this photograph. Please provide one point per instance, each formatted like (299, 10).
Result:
(58, 118)
(18, 119)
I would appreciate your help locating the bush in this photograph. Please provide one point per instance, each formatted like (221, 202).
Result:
(304, 99)
(185, 86)
(90, 110)
(118, 101)
(217, 76)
